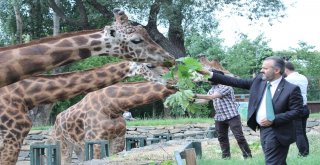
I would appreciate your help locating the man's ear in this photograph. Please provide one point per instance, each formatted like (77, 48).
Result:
(277, 70)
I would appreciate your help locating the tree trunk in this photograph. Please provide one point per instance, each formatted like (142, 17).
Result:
(176, 34)
(158, 37)
(40, 115)
(82, 22)
(166, 113)
(18, 21)
(56, 21)
(154, 110)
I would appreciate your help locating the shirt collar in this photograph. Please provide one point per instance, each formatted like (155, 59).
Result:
(276, 82)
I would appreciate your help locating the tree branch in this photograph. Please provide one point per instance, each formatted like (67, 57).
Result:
(103, 10)
(158, 37)
(61, 14)
(83, 14)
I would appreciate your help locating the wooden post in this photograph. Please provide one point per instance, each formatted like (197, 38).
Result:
(190, 156)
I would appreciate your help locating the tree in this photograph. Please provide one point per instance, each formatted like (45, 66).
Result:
(245, 57)
(19, 24)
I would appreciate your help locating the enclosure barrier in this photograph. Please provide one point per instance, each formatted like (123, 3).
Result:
(211, 132)
(134, 142)
(190, 152)
(39, 153)
(166, 136)
(104, 148)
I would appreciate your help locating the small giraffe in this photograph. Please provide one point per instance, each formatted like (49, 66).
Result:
(214, 64)
(99, 116)
(16, 99)
(120, 39)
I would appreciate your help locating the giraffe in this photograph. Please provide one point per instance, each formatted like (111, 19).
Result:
(214, 64)
(17, 98)
(121, 39)
(99, 116)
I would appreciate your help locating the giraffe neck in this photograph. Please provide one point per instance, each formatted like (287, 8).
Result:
(44, 89)
(17, 63)
(121, 97)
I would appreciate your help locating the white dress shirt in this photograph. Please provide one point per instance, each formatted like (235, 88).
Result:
(262, 112)
(300, 80)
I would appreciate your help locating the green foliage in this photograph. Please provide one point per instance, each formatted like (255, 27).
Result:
(210, 46)
(167, 162)
(92, 62)
(154, 122)
(64, 104)
(182, 101)
(245, 58)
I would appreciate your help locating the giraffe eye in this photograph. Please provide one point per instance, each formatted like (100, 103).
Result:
(137, 41)
(150, 66)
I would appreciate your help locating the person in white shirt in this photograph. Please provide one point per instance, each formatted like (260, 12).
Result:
(298, 79)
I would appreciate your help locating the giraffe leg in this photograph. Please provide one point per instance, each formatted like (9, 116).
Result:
(9, 151)
(66, 151)
(12, 138)
(117, 144)
(65, 146)
(79, 150)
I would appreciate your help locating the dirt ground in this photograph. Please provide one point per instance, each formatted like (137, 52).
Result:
(158, 153)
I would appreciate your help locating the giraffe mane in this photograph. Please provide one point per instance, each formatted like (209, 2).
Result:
(133, 83)
(216, 64)
(49, 38)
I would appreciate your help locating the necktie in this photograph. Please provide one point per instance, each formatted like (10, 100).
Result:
(270, 111)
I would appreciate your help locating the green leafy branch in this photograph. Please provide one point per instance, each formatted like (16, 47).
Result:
(182, 72)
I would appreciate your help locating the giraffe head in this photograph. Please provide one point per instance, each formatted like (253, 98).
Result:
(133, 43)
(148, 71)
(213, 65)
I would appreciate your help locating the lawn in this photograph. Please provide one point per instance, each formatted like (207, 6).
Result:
(213, 155)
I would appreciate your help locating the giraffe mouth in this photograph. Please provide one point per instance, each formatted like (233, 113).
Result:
(168, 63)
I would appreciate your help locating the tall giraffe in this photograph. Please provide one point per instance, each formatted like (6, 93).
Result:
(121, 39)
(99, 116)
(16, 99)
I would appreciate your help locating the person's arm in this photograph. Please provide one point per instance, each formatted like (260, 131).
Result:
(227, 80)
(208, 97)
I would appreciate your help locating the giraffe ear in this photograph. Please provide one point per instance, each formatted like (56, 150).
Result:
(108, 31)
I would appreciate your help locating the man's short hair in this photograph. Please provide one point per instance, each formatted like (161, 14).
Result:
(278, 62)
(289, 66)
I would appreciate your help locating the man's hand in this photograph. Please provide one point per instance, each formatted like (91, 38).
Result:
(265, 123)
(203, 72)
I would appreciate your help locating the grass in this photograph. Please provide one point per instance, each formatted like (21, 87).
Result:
(314, 116)
(155, 122)
(213, 156)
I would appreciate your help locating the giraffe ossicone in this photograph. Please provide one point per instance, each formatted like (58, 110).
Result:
(121, 39)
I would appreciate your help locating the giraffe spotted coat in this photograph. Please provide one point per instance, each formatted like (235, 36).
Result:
(99, 116)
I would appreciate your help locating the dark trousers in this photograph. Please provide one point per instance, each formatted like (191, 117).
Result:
(222, 128)
(275, 153)
(302, 139)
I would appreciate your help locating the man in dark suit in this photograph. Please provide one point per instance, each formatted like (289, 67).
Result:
(276, 134)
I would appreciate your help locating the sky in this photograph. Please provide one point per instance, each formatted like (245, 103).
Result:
(300, 23)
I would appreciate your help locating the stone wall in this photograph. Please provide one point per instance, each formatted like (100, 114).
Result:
(194, 131)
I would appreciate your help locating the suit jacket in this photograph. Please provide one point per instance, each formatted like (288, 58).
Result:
(287, 104)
